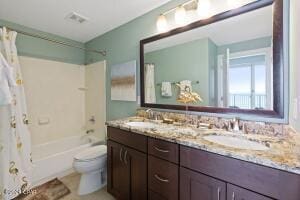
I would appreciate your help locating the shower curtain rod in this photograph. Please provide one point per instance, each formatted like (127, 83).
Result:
(103, 53)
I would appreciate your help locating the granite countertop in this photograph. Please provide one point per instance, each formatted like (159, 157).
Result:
(283, 152)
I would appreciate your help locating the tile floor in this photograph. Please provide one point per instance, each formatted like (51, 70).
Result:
(72, 181)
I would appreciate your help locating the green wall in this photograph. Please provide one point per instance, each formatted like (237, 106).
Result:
(122, 45)
(294, 61)
(38, 48)
(188, 61)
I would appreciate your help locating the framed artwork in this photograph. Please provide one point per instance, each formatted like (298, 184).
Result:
(123, 81)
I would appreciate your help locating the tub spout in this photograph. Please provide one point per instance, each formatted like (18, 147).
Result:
(90, 131)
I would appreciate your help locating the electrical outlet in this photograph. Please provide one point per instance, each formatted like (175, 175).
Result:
(295, 109)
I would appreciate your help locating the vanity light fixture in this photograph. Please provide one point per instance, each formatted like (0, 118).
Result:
(162, 24)
(204, 9)
(180, 15)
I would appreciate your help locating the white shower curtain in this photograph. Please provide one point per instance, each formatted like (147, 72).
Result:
(15, 140)
(150, 96)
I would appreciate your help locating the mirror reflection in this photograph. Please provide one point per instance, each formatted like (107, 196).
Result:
(227, 64)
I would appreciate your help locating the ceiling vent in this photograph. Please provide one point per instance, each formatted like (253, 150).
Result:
(73, 16)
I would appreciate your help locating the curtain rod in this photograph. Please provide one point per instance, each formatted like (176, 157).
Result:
(103, 53)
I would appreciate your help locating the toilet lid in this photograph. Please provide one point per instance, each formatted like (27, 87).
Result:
(92, 153)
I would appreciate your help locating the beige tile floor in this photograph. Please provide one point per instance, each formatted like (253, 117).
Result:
(72, 182)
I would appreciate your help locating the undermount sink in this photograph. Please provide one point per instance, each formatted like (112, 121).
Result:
(142, 124)
(236, 142)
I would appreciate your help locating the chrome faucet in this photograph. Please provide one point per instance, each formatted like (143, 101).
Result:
(236, 125)
(150, 113)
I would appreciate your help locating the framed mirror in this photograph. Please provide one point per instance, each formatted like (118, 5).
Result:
(233, 62)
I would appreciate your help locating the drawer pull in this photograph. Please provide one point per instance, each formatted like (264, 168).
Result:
(121, 154)
(125, 157)
(161, 150)
(161, 179)
(233, 196)
(219, 192)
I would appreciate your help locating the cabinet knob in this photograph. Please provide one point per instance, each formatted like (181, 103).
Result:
(161, 179)
(161, 150)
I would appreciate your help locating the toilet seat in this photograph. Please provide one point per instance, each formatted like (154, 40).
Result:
(91, 153)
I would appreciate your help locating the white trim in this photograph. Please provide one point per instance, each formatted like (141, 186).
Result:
(261, 51)
(220, 79)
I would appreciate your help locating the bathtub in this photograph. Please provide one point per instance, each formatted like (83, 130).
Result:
(55, 159)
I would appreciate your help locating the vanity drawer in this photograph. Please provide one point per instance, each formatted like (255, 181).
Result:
(133, 140)
(165, 150)
(267, 181)
(154, 196)
(163, 178)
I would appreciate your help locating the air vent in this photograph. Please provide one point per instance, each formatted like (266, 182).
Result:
(73, 16)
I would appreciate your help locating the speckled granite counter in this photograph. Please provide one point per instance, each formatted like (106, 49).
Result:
(283, 152)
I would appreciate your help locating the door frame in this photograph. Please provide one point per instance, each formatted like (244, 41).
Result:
(267, 52)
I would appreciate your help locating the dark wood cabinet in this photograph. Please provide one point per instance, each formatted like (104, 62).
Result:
(140, 168)
(270, 182)
(118, 172)
(127, 172)
(154, 196)
(196, 186)
(164, 150)
(163, 178)
(237, 193)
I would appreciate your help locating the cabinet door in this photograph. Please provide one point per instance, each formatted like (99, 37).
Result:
(163, 178)
(137, 162)
(196, 186)
(237, 193)
(118, 183)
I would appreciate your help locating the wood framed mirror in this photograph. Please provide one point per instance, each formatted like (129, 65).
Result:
(234, 60)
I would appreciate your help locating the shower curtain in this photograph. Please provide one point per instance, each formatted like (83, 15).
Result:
(15, 141)
(150, 96)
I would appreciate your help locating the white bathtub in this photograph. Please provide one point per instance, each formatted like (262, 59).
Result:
(55, 159)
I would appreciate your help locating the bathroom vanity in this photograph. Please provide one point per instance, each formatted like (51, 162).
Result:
(144, 163)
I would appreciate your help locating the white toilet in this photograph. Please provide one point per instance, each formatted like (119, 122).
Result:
(91, 163)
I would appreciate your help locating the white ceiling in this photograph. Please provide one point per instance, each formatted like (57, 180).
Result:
(49, 15)
(252, 25)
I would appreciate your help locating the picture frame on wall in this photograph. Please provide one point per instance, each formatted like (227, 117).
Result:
(123, 81)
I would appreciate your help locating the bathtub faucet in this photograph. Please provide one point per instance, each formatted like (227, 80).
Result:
(90, 131)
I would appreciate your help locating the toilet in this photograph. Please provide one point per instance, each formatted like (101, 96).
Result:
(91, 164)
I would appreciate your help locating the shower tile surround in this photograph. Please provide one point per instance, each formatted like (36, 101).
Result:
(283, 141)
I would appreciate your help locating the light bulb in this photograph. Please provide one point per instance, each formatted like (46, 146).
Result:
(203, 9)
(180, 15)
(162, 24)
(233, 4)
